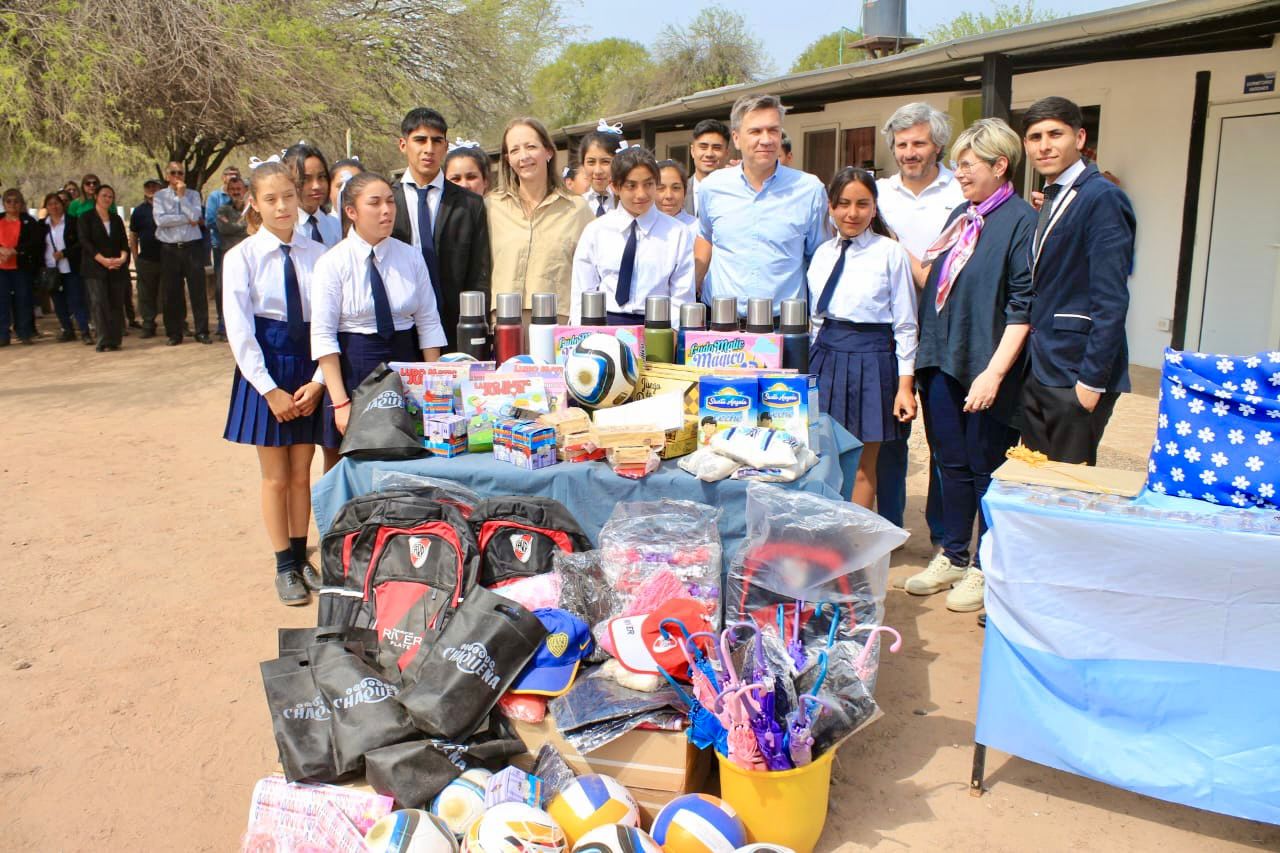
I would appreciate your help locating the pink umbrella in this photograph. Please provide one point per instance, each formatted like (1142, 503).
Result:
(736, 708)
(861, 666)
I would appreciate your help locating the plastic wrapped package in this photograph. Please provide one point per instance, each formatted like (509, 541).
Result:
(586, 593)
(853, 704)
(456, 495)
(642, 540)
(590, 738)
(595, 698)
(555, 773)
(707, 465)
(801, 547)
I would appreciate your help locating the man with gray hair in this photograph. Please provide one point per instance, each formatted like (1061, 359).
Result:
(915, 203)
(760, 221)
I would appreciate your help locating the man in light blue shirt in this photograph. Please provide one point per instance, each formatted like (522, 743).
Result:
(216, 200)
(760, 222)
(178, 214)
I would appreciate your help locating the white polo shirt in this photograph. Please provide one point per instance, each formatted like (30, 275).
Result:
(918, 219)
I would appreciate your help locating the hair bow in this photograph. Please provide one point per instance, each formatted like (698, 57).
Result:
(459, 142)
(605, 127)
(254, 162)
(564, 173)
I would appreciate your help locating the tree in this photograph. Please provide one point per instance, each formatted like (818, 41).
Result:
(824, 52)
(193, 80)
(1003, 16)
(716, 49)
(588, 80)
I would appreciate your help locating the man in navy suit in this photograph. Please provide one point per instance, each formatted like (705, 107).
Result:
(1082, 257)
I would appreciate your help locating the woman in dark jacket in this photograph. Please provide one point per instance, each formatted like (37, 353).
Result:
(974, 322)
(62, 253)
(104, 248)
(21, 257)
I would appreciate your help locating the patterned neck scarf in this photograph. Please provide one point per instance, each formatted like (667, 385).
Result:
(962, 234)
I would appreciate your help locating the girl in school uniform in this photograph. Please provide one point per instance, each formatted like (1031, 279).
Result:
(468, 166)
(634, 251)
(596, 152)
(313, 192)
(672, 189)
(863, 301)
(276, 392)
(373, 300)
(575, 178)
(343, 171)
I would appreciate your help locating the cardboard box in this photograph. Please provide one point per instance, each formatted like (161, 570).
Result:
(654, 766)
(785, 402)
(568, 337)
(683, 441)
(718, 350)
(726, 402)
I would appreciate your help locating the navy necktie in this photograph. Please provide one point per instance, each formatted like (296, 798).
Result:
(292, 298)
(1046, 213)
(427, 239)
(829, 289)
(315, 229)
(381, 304)
(600, 211)
(626, 271)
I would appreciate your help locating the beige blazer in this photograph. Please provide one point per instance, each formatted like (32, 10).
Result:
(535, 254)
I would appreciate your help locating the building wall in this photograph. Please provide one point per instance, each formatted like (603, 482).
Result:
(1143, 140)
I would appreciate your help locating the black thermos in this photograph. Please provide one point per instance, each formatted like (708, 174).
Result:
(473, 325)
(795, 334)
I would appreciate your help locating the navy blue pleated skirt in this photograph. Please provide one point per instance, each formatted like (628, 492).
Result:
(858, 377)
(249, 418)
(359, 354)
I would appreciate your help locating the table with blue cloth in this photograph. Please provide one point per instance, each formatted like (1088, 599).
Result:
(590, 490)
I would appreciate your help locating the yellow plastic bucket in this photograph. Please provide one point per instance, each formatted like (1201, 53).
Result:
(786, 807)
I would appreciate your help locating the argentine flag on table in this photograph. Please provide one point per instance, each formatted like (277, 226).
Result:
(1138, 651)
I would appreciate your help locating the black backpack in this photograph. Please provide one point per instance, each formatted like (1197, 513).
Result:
(519, 536)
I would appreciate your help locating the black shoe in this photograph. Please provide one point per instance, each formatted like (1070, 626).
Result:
(291, 589)
(66, 336)
(204, 339)
(982, 620)
(147, 333)
(173, 342)
(311, 577)
(87, 339)
(113, 348)
(134, 324)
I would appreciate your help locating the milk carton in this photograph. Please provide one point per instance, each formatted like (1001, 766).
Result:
(784, 404)
(725, 402)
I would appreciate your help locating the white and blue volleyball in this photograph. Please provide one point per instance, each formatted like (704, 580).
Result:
(410, 831)
(457, 356)
(616, 838)
(510, 365)
(591, 801)
(698, 823)
(600, 371)
(461, 802)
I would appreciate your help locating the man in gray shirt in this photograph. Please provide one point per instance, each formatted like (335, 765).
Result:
(178, 213)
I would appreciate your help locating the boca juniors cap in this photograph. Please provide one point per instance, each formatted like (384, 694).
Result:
(555, 663)
(640, 645)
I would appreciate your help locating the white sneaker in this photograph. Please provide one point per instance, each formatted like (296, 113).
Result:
(966, 596)
(940, 574)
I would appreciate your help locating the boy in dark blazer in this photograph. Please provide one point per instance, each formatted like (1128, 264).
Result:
(1082, 257)
(457, 248)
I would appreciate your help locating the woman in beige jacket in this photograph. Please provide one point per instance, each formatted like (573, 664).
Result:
(534, 221)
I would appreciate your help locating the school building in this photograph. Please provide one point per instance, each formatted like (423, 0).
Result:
(1181, 107)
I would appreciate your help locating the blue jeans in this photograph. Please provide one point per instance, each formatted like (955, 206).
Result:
(16, 304)
(891, 487)
(71, 303)
(969, 447)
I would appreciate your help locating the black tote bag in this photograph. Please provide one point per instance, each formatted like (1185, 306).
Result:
(412, 772)
(300, 718)
(380, 427)
(458, 680)
(363, 713)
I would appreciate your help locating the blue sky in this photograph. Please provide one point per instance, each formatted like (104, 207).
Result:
(786, 28)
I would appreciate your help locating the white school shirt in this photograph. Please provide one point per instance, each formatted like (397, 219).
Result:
(411, 202)
(56, 242)
(875, 287)
(663, 266)
(342, 296)
(918, 219)
(593, 200)
(330, 227)
(253, 286)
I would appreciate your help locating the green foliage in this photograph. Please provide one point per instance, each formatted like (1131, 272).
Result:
(824, 52)
(585, 81)
(1003, 16)
(716, 49)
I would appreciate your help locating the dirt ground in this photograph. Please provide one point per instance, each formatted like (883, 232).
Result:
(140, 602)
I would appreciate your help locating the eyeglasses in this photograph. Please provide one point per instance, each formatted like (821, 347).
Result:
(177, 172)
(965, 167)
(91, 183)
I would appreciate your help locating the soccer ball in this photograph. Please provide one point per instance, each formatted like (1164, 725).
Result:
(592, 801)
(616, 838)
(411, 831)
(457, 356)
(461, 801)
(600, 371)
(764, 848)
(509, 365)
(514, 828)
(698, 823)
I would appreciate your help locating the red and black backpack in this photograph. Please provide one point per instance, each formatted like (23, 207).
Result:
(518, 537)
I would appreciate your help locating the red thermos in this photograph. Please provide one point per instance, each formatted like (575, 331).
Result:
(508, 334)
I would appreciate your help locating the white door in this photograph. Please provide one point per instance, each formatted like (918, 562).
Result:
(1242, 277)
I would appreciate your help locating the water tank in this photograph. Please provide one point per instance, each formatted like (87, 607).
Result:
(884, 18)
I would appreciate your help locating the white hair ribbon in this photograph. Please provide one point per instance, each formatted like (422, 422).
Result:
(459, 142)
(605, 127)
(254, 162)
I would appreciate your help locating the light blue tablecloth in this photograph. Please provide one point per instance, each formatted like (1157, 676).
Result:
(591, 490)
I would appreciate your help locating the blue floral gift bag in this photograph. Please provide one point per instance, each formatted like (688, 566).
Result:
(1218, 433)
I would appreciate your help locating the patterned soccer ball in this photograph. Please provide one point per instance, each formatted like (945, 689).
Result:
(514, 828)
(592, 801)
(457, 356)
(698, 823)
(411, 831)
(600, 372)
(509, 365)
(462, 801)
(617, 838)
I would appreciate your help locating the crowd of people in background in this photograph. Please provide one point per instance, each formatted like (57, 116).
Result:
(937, 288)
